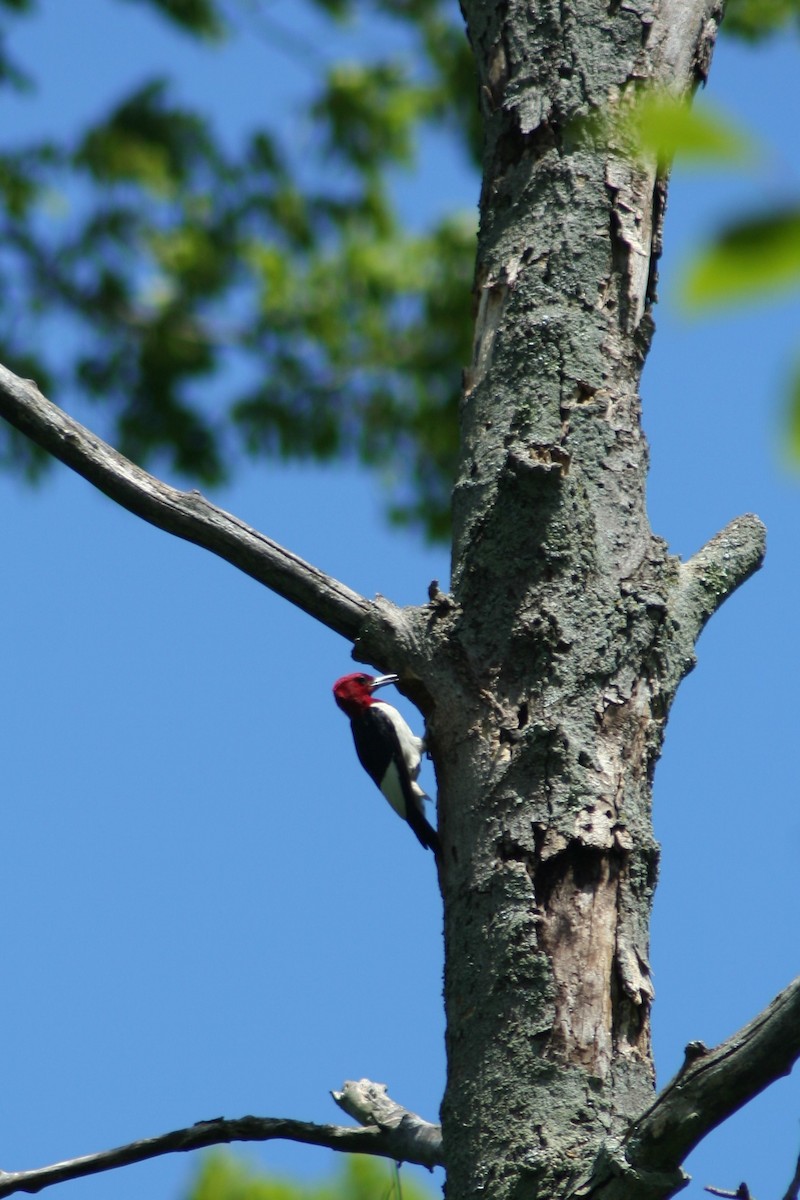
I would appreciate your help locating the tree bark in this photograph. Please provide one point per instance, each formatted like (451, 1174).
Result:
(573, 624)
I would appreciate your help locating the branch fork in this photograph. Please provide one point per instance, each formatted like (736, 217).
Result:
(710, 1086)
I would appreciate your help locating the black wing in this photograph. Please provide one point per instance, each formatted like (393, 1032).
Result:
(376, 742)
(379, 753)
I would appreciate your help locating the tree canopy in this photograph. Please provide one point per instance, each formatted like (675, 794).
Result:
(266, 298)
(280, 280)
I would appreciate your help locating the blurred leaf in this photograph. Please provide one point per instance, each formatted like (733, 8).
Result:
(11, 74)
(336, 8)
(369, 333)
(793, 419)
(369, 111)
(753, 20)
(452, 95)
(668, 127)
(193, 255)
(145, 141)
(200, 17)
(222, 1176)
(753, 256)
(215, 301)
(17, 185)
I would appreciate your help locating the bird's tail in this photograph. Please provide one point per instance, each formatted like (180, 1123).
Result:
(422, 827)
(434, 843)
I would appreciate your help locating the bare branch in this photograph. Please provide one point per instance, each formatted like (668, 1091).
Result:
(369, 1104)
(711, 1087)
(399, 1142)
(716, 571)
(188, 515)
(741, 1193)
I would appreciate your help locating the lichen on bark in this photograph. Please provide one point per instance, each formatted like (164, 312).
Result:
(572, 625)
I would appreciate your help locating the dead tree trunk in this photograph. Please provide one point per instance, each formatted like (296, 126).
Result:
(550, 679)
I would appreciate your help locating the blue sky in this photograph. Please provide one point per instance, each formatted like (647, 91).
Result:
(208, 909)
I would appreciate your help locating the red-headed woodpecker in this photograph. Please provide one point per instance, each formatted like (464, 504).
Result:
(387, 750)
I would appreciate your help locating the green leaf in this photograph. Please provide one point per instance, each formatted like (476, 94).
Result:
(751, 257)
(339, 9)
(146, 141)
(18, 188)
(200, 17)
(668, 128)
(754, 20)
(327, 328)
(793, 420)
(369, 111)
(223, 1176)
(194, 255)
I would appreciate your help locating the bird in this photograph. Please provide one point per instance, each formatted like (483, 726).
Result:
(387, 750)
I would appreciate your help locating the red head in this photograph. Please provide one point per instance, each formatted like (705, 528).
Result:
(354, 692)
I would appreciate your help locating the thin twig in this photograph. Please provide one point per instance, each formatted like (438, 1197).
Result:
(718, 569)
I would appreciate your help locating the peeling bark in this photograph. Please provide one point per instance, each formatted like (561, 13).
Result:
(574, 625)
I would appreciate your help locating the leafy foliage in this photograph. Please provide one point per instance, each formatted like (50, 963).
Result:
(657, 124)
(200, 17)
(793, 417)
(219, 301)
(222, 1176)
(218, 305)
(757, 254)
(754, 20)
